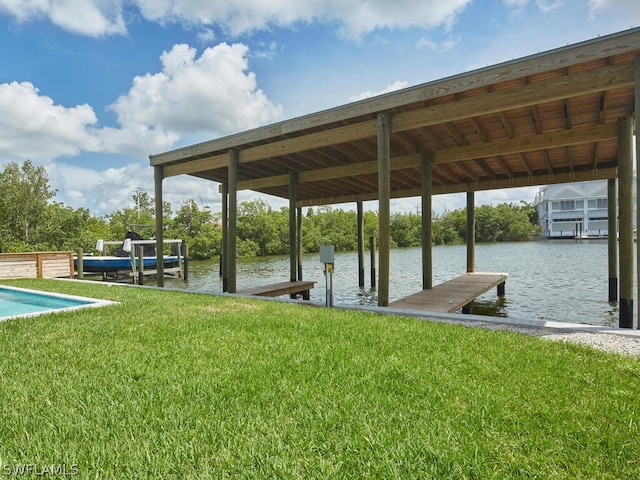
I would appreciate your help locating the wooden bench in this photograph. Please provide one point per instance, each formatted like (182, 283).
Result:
(454, 294)
(282, 288)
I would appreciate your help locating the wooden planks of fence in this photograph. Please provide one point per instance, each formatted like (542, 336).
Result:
(36, 265)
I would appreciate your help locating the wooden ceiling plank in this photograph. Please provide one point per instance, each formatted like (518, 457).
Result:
(614, 76)
(591, 81)
(324, 138)
(576, 136)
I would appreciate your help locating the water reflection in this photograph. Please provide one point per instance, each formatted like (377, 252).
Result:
(558, 280)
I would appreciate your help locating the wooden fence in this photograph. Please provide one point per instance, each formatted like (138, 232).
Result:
(36, 265)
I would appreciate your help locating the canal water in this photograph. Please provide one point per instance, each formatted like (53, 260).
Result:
(549, 280)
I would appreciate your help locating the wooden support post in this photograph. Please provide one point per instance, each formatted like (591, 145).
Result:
(293, 263)
(299, 246)
(141, 264)
(233, 220)
(39, 265)
(185, 261)
(372, 249)
(384, 202)
(427, 227)
(80, 264)
(158, 174)
(625, 187)
(501, 289)
(293, 251)
(225, 238)
(612, 240)
(637, 152)
(360, 213)
(471, 233)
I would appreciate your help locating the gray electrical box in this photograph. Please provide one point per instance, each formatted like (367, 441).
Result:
(326, 254)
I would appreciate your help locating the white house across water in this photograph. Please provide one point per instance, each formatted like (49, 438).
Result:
(575, 210)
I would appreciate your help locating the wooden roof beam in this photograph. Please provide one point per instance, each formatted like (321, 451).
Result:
(520, 181)
(537, 119)
(506, 124)
(444, 172)
(435, 141)
(479, 130)
(604, 103)
(526, 166)
(408, 145)
(596, 154)
(485, 167)
(468, 172)
(567, 113)
(207, 163)
(455, 133)
(547, 161)
(561, 138)
(504, 166)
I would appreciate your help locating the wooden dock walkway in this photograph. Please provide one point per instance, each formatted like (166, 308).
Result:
(282, 288)
(454, 294)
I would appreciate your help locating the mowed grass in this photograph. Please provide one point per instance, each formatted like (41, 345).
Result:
(176, 385)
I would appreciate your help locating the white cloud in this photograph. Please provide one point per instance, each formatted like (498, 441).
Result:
(630, 7)
(440, 47)
(34, 127)
(212, 93)
(543, 5)
(355, 17)
(397, 85)
(87, 17)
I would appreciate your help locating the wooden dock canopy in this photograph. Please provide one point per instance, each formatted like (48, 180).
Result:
(547, 118)
(555, 117)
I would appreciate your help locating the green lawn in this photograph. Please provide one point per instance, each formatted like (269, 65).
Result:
(176, 385)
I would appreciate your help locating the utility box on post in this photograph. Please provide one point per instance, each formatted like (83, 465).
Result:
(326, 254)
(327, 257)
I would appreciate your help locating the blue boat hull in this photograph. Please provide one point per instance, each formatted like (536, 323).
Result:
(99, 264)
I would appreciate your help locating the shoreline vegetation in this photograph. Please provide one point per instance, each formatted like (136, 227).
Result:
(169, 384)
(30, 220)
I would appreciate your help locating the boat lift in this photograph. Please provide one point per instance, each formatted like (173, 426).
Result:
(136, 264)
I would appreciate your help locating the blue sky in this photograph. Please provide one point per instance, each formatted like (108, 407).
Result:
(90, 88)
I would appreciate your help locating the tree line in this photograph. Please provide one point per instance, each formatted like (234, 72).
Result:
(31, 220)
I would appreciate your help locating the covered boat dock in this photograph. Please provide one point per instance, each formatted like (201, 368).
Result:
(560, 116)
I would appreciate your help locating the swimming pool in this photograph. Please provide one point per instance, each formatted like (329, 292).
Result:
(20, 302)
